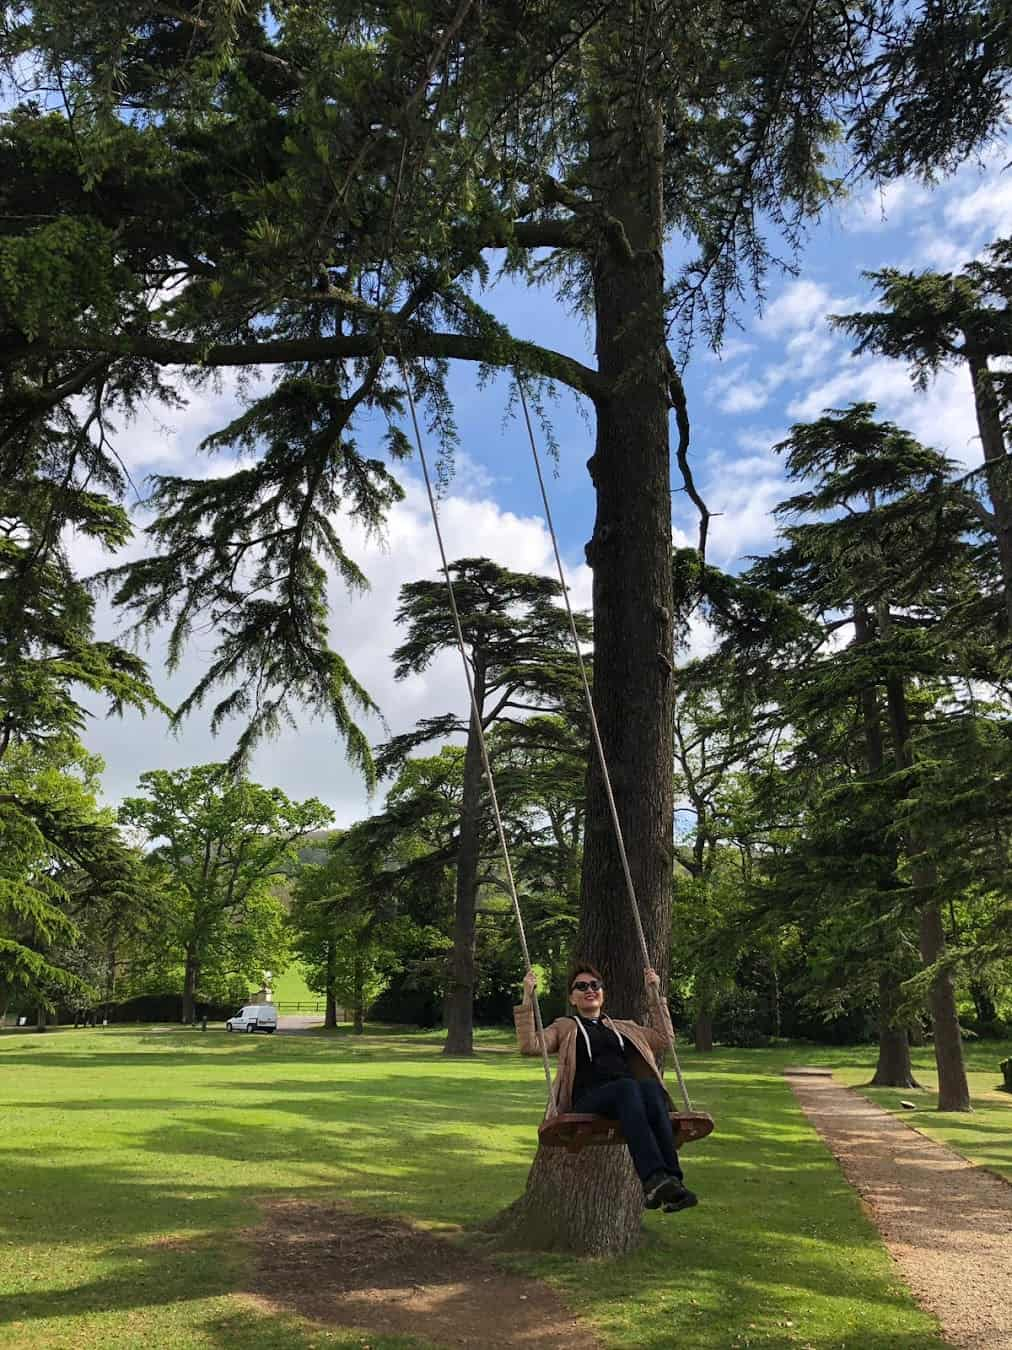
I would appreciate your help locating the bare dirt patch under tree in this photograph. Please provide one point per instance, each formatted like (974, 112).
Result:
(386, 1276)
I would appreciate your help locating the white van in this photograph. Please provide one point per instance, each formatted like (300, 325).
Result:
(254, 1017)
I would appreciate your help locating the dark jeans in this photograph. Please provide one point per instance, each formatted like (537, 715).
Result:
(642, 1108)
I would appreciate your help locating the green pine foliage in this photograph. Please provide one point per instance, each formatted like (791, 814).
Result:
(870, 782)
(65, 869)
(320, 191)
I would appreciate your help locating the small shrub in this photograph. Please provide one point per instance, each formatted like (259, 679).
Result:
(746, 1038)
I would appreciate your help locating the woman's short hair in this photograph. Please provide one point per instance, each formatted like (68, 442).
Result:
(583, 968)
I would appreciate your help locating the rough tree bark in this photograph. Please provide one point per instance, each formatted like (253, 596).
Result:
(594, 1197)
(630, 554)
(953, 1088)
(459, 1002)
(591, 1202)
(893, 1068)
(704, 1032)
(110, 979)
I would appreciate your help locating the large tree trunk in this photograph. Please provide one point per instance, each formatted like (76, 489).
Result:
(594, 1198)
(630, 554)
(953, 1089)
(996, 467)
(894, 1068)
(458, 1007)
(704, 1032)
(591, 1203)
(330, 997)
(192, 970)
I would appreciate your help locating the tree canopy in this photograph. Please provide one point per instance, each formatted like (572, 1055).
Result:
(225, 842)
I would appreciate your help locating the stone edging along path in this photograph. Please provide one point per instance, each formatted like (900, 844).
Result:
(946, 1223)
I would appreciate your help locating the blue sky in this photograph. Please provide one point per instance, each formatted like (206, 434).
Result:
(783, 365)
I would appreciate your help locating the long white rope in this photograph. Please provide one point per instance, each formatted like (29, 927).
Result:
(595, 731)
(476, 722)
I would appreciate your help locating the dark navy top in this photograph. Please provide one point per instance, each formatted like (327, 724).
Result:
(604, 1059)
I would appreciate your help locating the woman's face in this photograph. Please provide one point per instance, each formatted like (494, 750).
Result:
(586, 994)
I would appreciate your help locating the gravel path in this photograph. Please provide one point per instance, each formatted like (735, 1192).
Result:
(947, 1224)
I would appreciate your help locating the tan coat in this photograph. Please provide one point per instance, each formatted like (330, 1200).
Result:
(560, 1038)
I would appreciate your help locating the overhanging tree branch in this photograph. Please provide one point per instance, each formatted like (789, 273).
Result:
(413, 343)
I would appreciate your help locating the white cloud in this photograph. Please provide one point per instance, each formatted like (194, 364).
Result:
(743, 396)
(699, 641)
(742, 495)
(937, 250)
(759, 441)
(972, 209)
(309, 761)
(988, 207)
(806, 353)
(882, 207)
(803, 304)
(878, 381)
(163, 439)
(736, 390)
(942, 417)
(730, 350)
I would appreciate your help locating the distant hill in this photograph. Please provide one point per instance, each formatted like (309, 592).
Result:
(314, 847)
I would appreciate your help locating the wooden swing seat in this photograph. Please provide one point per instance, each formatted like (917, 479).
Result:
(574, 1131)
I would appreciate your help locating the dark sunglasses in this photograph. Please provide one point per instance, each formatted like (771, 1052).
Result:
(585, 986)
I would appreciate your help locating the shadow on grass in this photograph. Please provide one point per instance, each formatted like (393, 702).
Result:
(777, 1221)
(146, 1267)
(139, 1275)
(176, 1271)
(376, 1145)
(188, 1054)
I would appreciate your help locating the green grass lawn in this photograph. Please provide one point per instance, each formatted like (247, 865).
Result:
(131, 1164)
(291, 987)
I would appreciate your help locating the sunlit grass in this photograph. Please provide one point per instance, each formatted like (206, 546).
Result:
(132, 1162)
(290, 987)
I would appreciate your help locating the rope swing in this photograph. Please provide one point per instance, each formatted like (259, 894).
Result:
(572, 1130)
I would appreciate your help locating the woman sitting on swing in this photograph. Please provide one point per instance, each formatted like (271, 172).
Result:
(609, 1069)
